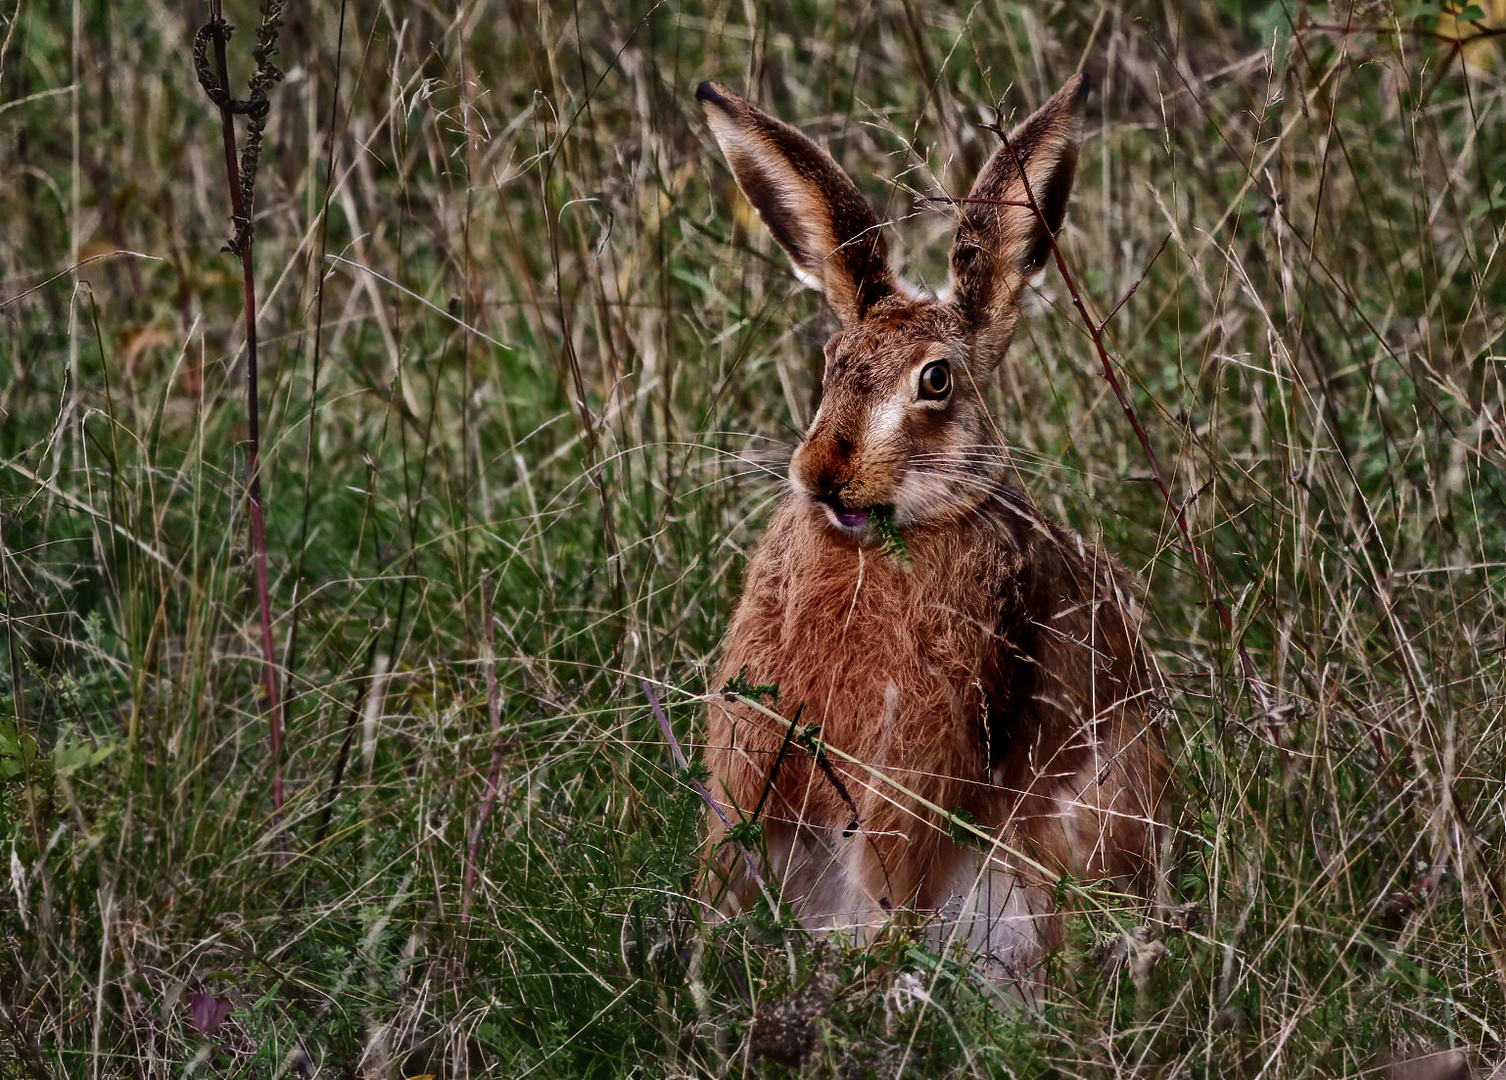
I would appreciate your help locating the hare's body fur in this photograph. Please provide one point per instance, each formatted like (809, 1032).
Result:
(990, 675)
(994, 676)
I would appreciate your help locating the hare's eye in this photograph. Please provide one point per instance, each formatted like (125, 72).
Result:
(935, 381)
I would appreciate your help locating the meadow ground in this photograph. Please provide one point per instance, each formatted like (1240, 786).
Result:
(529, 375)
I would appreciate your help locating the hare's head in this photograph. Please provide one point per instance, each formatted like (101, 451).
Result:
(902, 429)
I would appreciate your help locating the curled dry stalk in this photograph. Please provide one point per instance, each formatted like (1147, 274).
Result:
(215, 79)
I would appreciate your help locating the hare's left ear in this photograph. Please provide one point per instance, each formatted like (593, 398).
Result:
(1005, 234)
(810, 205)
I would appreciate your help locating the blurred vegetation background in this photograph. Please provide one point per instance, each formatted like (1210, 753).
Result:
(528, 362)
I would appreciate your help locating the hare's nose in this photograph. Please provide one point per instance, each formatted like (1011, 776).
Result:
(829, 476)
(824, 464)
(829, 486)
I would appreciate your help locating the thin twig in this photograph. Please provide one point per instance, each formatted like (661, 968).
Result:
(768, 784)
(1136, 286)
(974, 200)
(1481, 33)
(698, 787)
(313, 409)
(1178, 510)
(365, 683)
(494, 778)
(13, 656)
(817, 750)
(75, 268)
(25, 1044)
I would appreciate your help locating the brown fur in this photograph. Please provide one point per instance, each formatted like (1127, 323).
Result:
(999, 673)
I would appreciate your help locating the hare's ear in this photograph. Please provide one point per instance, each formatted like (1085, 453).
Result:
(810, 205)
(1005, 234)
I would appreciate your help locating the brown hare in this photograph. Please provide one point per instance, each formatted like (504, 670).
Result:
(964, 657)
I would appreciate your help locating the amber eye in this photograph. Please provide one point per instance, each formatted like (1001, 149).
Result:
(935, 381)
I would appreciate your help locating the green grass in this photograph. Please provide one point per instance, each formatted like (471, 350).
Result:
(556, 350)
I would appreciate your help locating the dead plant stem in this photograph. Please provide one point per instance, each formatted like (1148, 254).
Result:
(244, 239)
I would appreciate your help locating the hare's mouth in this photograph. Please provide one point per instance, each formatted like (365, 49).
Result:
(850, 519)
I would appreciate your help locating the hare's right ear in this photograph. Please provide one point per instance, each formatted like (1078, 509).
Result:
(810, 205)
(1016, 206)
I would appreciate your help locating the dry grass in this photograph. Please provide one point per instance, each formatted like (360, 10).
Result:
(550, 345)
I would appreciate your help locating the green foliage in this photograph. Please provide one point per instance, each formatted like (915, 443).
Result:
(18, 752)
(891, 541)
(552, 345)
(740, 685)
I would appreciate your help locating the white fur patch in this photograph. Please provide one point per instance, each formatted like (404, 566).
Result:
(986, 910)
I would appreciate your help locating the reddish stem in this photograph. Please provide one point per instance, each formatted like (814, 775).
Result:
(241, 214)
(1095, 330)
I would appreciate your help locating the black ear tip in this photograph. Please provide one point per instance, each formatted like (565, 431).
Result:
(1083, 88)
(710, 93)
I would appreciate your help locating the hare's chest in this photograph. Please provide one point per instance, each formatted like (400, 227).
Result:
(869, 651)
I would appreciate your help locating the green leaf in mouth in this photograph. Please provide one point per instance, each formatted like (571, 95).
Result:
(891, 541)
